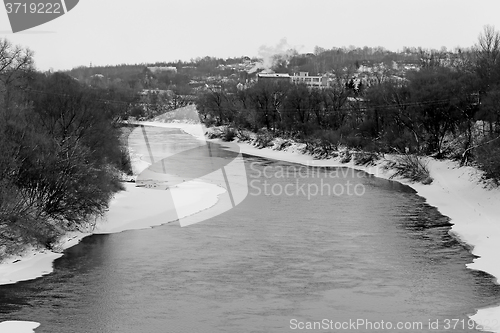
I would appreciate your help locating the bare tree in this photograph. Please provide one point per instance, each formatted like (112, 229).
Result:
(489, 42)
(16, 63)
(488, 54)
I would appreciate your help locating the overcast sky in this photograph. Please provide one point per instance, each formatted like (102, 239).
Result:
(125, 31)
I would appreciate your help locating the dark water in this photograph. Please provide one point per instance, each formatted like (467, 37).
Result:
(383, 255)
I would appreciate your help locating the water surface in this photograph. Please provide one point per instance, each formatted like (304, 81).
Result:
(384, 255)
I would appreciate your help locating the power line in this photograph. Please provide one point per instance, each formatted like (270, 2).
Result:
(380, 107)
(69, 96)
(349, 108)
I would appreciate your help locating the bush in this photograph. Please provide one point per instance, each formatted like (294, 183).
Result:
(401, 142)
(214, 133)
(411, 167)
(345, 157)
(329, 141)
(137, 112)
(281, 144)
(488, 158)
(365, 158)
(322, 144)
(125, 163)
(228, 134)
(264, 139)
(243, 135)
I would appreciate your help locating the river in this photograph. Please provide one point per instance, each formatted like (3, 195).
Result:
(276, 261)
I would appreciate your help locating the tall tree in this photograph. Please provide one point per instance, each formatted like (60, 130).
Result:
(16, 65)
(488, 56)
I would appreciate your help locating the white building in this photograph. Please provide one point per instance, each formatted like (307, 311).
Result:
(276, 77)
(159, 69)
(310, 81)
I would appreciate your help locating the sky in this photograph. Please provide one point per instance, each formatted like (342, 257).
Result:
(111, 32)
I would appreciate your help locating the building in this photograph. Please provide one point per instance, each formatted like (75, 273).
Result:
(310, 81)
(159, 69)
(301, 78)
(274, 77)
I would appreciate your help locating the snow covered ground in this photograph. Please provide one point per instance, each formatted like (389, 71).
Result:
(18, 326)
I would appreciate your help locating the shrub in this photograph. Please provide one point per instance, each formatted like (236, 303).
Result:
(228, 134)
(410, 167)
(264, 139)
(329, 141)
(310, 144)
(137, 112)
(322, 143)
(125, 164)
(365, 158)
(488, 158)
(281, 144)
(345, 157)
(243, 135)
(214, 133)
(393, 140)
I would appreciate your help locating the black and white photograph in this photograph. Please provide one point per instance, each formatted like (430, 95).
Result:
(179, 166)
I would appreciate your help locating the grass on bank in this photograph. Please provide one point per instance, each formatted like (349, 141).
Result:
(410, 167)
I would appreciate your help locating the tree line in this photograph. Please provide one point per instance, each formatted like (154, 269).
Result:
(61, 153)
(448, 106)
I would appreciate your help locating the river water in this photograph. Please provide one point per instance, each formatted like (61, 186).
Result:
(274, 262)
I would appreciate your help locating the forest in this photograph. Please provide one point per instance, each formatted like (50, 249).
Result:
(61, 155)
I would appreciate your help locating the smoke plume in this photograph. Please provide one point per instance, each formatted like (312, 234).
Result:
(271, 55)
